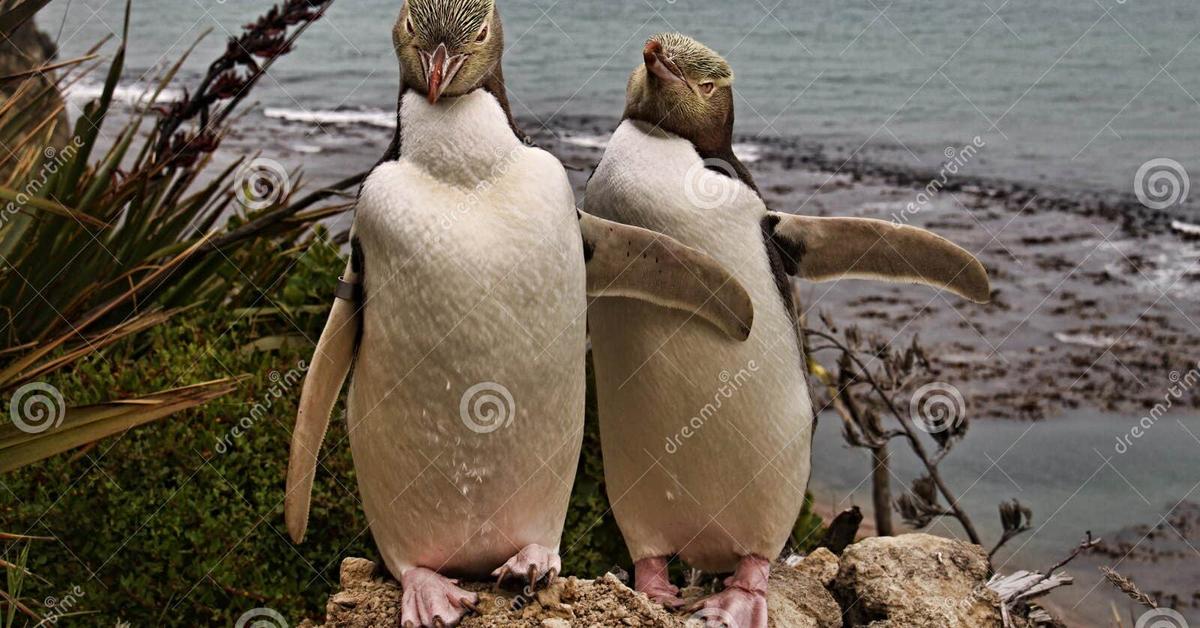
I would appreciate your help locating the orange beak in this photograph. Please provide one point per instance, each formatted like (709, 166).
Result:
(659, 65)
(440, 68)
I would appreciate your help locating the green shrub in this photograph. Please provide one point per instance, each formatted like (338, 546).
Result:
(592, 543)
(158, 526)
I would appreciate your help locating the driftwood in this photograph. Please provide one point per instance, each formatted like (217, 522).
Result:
(1019, 588)
(1026, 585)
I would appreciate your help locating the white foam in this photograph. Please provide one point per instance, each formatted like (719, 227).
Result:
(1170, 270)
(587, 141)
(1185, 228)
(367, 117)
(748, 153)
(1094, 341)
(133, 94)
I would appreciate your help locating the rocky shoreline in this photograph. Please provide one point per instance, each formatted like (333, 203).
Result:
(1091, 291)
(1122, 207)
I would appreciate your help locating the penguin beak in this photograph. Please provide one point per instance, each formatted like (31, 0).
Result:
(440, 69)
(660, 66)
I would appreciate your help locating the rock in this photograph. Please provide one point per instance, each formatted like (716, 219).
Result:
(797, 599)
(24, 49)
(363, 596)
(915, 581)
(908, 581)
(821, 565)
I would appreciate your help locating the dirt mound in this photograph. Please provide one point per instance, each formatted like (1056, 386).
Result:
(913, 580)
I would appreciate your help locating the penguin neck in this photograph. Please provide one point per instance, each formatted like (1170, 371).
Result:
(711, 144)
(461, 140)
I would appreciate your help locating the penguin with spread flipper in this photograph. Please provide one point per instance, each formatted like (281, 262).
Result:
(707, 441)
(461, 322)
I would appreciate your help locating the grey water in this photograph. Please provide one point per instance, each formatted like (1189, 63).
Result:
(1076, 94)
(1081, 472)
(1071, 470)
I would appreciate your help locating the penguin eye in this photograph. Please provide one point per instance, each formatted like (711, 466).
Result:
(483, 35)
(408, 25)
(707, 88)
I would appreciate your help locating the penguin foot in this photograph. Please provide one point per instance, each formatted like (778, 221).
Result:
(532, 562)
(432, 600)
(743, 603)
(650, 577)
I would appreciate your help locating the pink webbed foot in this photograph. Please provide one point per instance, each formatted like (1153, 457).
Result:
(431, 600)
(650, 577)
(531, 563)
(743, 603)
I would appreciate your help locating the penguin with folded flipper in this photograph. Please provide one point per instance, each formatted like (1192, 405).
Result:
(462, 314)
(707, 442)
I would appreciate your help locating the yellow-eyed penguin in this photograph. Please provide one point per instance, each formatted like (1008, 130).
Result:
(707, 441)
(462, 313)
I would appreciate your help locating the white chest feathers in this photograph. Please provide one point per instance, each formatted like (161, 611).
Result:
(461, 140)
(657, 180)
(464, 178)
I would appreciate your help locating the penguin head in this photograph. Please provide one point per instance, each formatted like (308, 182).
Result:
(683, 87)
(448, 47)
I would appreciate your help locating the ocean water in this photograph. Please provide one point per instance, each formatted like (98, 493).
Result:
(1108, 477)
(1105, 480)
(1075, 94)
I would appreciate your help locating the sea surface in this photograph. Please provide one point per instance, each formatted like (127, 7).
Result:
(1080, 473)
(1075, 94)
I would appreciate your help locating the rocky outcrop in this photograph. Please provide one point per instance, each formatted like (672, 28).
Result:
(25, 49)
(910, 581)
(915, 580)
